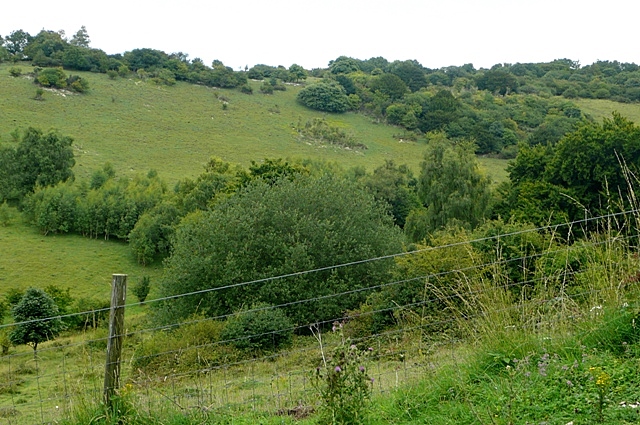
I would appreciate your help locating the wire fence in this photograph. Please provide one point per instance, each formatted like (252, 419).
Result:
(187, 365)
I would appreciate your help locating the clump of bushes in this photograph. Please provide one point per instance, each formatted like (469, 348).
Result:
(56, 78)
(192, 345)
(319, 130)
(259, 329)
(141, 288)
(324, 97)
(266, 88)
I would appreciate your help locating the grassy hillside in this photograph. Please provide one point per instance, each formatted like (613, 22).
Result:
(138, 125)
(602, 108)
(176, 129)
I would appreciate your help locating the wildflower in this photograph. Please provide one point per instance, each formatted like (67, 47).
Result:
(370, 348)
(353, 347)
(361, 368)
(569, 383)
(542, 368)
(603, 380)
(338, 369)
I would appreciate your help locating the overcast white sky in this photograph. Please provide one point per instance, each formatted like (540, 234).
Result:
(437, 33)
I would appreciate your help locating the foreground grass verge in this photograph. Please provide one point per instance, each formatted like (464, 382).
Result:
(517, 379)
(546, 360)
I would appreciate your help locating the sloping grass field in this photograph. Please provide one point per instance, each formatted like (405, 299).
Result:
(82, 265)
(137, 125)
(602, 108)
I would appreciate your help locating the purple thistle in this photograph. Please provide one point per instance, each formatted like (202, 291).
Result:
(361, 368)
(338, 369)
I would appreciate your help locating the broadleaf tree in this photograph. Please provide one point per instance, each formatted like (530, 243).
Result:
(451, 188)
(326, 97)
(36, 319)
(40, 159)
(267, 230)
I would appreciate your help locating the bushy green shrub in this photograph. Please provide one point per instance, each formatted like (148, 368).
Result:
(266, 88)
(6, 214)
(123, 70)
(189, 346)
(77, 84)
(277, 85)
(324, 97)
(318, 130)
(141, 288)
(164, 77)
(52, 77)
(260, 329)
(15, 71)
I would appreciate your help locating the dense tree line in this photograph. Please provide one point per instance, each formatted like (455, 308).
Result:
(109, 208)
(585, 173)
(38, 160)
(466, 104)
(589, 172)
(53, 49)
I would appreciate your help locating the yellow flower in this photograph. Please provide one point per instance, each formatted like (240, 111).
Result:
(603, 380)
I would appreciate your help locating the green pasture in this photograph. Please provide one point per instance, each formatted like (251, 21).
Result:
(602, 108)
(137, 125)
(83, 265)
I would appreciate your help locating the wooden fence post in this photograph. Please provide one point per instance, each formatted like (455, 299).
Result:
(116, 335)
